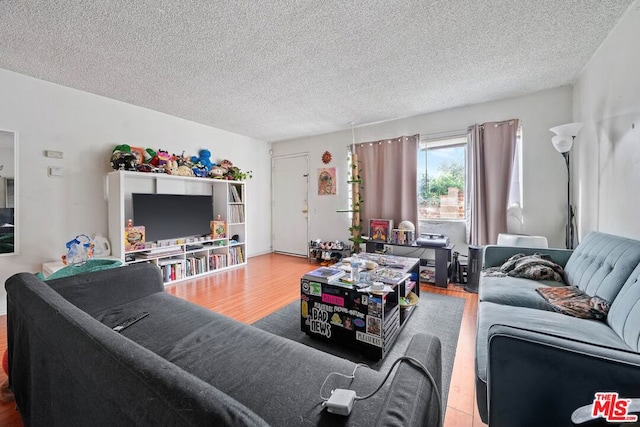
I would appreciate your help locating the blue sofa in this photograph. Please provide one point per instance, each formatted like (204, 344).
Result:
(182, 364)
(535, 366)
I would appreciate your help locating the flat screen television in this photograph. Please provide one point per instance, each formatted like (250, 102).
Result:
(172, 216)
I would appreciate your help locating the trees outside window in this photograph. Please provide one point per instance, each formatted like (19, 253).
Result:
(442, 179)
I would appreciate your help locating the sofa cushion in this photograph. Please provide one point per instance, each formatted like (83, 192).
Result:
(278, 385)
(551, 323)
(572, 301)
(601, 264)
(515, 291)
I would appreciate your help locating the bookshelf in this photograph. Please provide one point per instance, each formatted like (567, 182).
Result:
(187, 257)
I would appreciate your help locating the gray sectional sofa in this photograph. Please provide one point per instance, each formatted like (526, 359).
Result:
(535, 366)
(182, 364)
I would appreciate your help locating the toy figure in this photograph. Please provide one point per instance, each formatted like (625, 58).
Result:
(217, 172)
(149, 154)
(204, 160)
(171, 167)
(161, 158)
(199, 170)
(123, 159)
(79, 250)
(183, 160)
(226, 164)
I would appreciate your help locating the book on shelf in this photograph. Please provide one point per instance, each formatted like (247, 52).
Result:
(235, 195)
(172, 272)
(236, 256)
(196, 264)
(236, 214)
(325, 274)
(217, 261)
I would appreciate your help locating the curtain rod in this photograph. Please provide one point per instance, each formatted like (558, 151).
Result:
(444, 134)
(504, 122)
(401, 138)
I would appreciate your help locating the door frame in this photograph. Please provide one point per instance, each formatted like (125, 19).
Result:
(304, 155)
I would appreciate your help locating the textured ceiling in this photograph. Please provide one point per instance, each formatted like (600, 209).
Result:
(280, 69)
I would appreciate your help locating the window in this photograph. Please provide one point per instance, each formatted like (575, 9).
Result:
(442, 178)
(515, 186)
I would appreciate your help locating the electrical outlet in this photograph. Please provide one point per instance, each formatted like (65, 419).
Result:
(388, 249)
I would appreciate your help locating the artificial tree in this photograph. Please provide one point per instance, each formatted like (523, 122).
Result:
(356, 204)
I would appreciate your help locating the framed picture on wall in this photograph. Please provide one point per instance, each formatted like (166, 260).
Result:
(380, 229)
(326, 182)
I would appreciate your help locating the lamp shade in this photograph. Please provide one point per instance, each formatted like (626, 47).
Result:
(569, 129)
(562, 143)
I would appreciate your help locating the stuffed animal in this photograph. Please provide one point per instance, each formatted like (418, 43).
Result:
(226, 164)
(161, 158)
(123, 159)
(183, 160)
(199, 170)
(147, 167)
(149, 154)
(171, 167)
(217, 172)
(204, 159)
(185, 171)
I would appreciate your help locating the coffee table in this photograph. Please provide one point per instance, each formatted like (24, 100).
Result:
(369, 321)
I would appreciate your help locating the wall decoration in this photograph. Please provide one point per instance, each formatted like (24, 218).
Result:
(326, 181)
(326, 158)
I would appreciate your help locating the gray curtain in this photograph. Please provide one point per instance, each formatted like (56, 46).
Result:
(389, 171)
(492, 153)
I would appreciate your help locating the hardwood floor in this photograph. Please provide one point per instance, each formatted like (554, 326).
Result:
(239, 294)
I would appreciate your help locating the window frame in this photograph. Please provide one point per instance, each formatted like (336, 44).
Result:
(446, 140)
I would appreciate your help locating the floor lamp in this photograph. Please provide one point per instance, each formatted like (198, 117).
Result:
(562, 141)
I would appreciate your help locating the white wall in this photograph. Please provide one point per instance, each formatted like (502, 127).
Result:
(544, 173)
(607, 150)
(86, 127)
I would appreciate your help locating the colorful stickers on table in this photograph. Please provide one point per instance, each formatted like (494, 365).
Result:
(336, 308)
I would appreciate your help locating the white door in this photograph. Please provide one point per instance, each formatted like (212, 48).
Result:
(290, 197)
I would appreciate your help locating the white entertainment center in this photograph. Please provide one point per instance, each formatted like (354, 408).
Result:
(184, 258)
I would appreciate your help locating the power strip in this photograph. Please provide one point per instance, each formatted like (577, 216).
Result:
(340, 402)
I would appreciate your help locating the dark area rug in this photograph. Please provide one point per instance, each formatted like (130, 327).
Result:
(437, 314)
